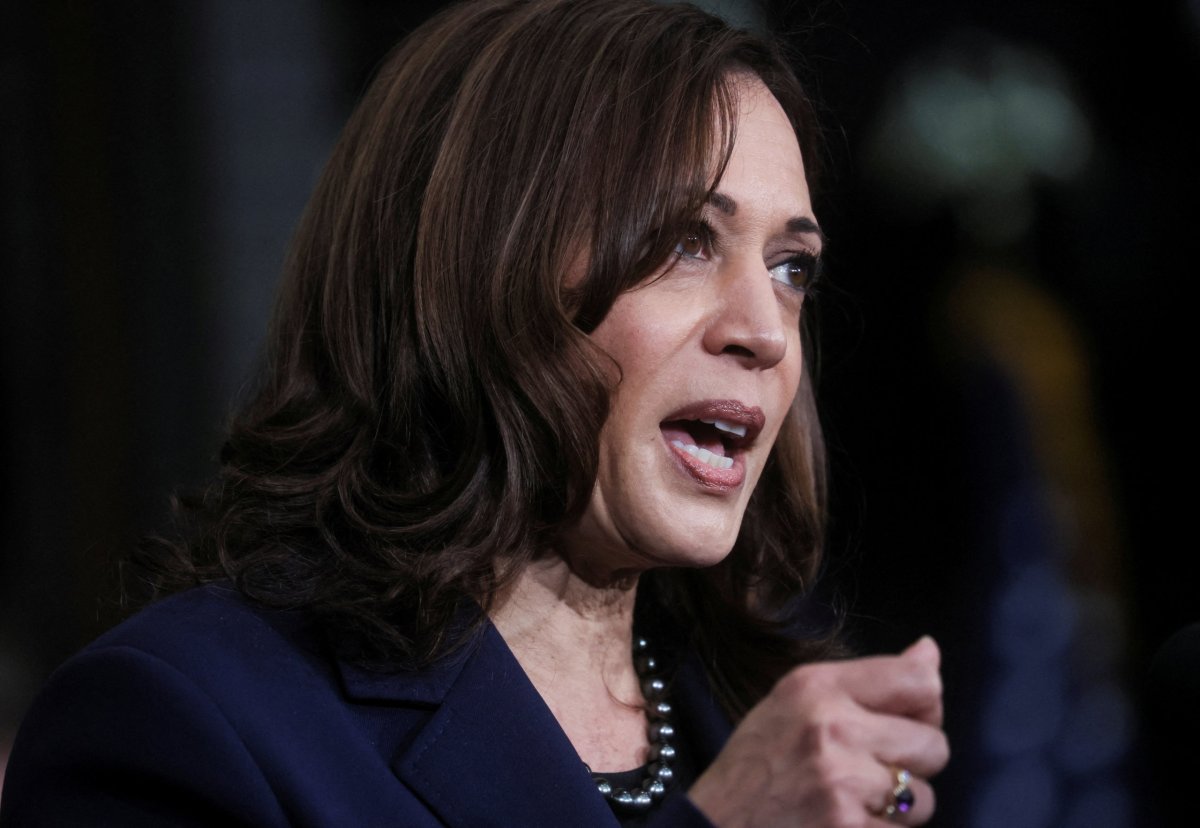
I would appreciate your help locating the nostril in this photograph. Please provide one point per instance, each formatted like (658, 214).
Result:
(737, 350)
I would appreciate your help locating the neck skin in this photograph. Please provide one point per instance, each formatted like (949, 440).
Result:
(574, 640)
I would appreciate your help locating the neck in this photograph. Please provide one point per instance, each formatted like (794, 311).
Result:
(553, 617)
(573, 637)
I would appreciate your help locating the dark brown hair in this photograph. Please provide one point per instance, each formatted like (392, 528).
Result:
(428, 415)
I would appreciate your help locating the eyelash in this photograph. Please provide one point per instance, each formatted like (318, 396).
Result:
(803, 269)
(809, 270)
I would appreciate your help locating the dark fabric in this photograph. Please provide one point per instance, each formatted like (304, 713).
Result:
(633, 779)
(205, 709)
(684, 775)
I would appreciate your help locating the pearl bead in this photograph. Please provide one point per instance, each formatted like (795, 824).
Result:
(653, 688)
(659, 730)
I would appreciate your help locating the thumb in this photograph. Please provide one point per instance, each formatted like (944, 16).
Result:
(924, 649)
(925, 652)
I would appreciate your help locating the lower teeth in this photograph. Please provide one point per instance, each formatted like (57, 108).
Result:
(705, 456)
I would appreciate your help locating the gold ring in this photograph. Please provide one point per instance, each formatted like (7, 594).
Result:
(902, 798)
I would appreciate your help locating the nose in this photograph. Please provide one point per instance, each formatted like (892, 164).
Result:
(748, 321)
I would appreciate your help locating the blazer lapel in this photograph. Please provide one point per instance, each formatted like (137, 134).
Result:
(493, 753)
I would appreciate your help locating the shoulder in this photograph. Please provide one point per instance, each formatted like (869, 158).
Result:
(249, 662)
(217, 637)
(137, 729)
(215, 616)
(205, 708)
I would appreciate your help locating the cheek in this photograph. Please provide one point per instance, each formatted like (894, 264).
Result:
(793, 369)
(636, 350)
(788, 388)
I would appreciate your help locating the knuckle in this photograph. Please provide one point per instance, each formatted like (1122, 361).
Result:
(826, 728)
(817, 710)
(809, 679)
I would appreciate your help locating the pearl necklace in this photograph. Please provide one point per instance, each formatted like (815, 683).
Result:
(662, 753)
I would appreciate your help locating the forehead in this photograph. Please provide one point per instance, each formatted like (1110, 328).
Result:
(765, 172)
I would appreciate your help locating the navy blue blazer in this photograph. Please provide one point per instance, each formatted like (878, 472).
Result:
(206, 709)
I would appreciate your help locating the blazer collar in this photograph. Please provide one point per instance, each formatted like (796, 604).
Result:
(426, 686)
(493, 753)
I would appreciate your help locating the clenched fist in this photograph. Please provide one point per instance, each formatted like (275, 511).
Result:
(825, 748)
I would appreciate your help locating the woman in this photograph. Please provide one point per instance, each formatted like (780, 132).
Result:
(535, 391)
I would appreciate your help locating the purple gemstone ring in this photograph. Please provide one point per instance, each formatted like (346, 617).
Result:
(902, 795)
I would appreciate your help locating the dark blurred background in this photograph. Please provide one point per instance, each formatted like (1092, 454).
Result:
(1009, 193)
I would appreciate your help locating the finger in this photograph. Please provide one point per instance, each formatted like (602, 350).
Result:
(924, 648)
(922, 804)
(888, 739)
(906, 685)
(926, 651)
(906, 743)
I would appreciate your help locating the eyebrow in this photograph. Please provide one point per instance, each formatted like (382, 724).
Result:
(796, 224)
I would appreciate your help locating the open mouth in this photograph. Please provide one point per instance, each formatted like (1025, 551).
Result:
(710, 437)
(711, 441)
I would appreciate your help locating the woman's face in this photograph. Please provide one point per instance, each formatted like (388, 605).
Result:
(710, 362)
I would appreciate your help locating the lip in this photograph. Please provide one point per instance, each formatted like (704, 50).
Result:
(731, 411)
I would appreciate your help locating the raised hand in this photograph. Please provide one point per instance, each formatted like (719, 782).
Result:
(826, 747)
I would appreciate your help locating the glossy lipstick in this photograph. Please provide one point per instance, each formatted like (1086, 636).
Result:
(724, 428)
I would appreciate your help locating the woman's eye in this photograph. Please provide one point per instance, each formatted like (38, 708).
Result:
(797, 272)
(694, 245)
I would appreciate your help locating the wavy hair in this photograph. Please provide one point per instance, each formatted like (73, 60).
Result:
(428, 413)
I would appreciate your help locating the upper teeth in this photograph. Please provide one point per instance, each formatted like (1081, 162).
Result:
(728, 428)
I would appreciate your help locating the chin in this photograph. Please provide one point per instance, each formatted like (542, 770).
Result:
(696, 537)
(647, 533)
